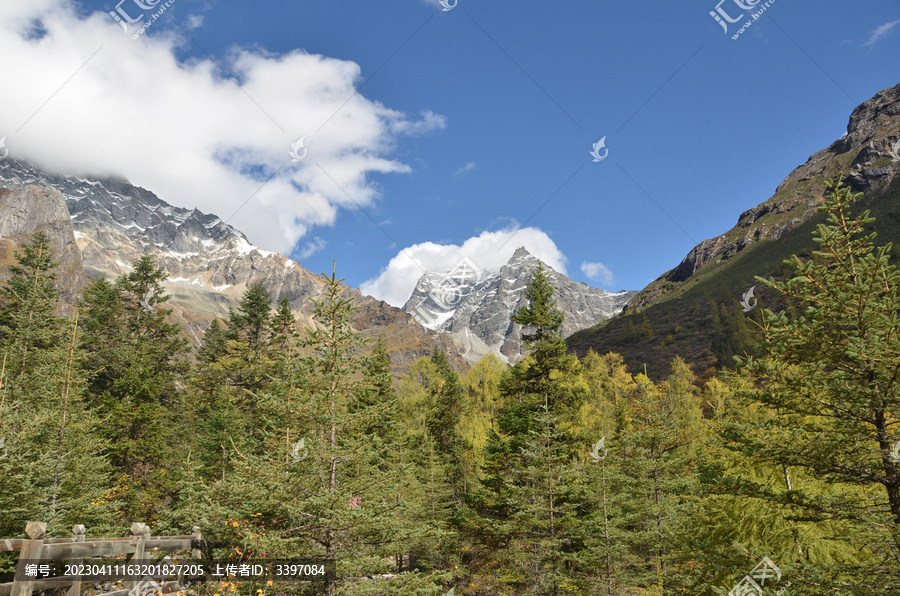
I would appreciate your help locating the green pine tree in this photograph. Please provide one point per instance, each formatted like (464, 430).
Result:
(51, 458)
(28, 322)
(830, 391)
(527, 501)
(135, 361)
(332, 480)
(250, 332)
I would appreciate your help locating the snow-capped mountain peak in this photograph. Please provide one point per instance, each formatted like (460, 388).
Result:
(475, 306)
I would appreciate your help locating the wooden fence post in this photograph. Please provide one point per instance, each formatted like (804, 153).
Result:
(77, 536)
(141, 532)
(31, 551)
(196, 540)
(36, 550)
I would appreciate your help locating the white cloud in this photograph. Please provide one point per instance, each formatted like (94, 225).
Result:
(311, 248)
(465, 169)
(188, 133)
(597, 272)
(489, 251)
(194, 22)
(429, 122)
(880, 33)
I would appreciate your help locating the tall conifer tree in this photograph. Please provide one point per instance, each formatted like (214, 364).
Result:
(51, 463)
(829, 379)
(135, 361)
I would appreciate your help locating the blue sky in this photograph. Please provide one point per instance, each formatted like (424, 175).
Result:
(471, 121)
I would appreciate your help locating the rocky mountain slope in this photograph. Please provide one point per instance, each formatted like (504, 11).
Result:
(678, 312)
(863, 154)
(210, 264)
(474, 307)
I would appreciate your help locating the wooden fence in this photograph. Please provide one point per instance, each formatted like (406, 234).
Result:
(139, 545)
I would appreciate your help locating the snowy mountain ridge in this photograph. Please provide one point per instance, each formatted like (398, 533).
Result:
(210, 264)
(474, 306)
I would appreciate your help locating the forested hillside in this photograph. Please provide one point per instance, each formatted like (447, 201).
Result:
(559, 475)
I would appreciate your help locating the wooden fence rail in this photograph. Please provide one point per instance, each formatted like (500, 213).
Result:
(36, 548)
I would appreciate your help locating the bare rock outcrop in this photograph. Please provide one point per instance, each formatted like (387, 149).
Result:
(24, 211)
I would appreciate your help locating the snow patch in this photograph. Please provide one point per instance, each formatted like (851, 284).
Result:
(194, 282)
(245, 248)
(439, 319)
(179, 255)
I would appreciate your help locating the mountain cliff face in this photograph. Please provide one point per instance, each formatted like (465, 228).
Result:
(474, 307)
(863, 154)
(26, 210)
(210, 264)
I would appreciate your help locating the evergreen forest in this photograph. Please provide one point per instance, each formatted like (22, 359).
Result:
(556, 476)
